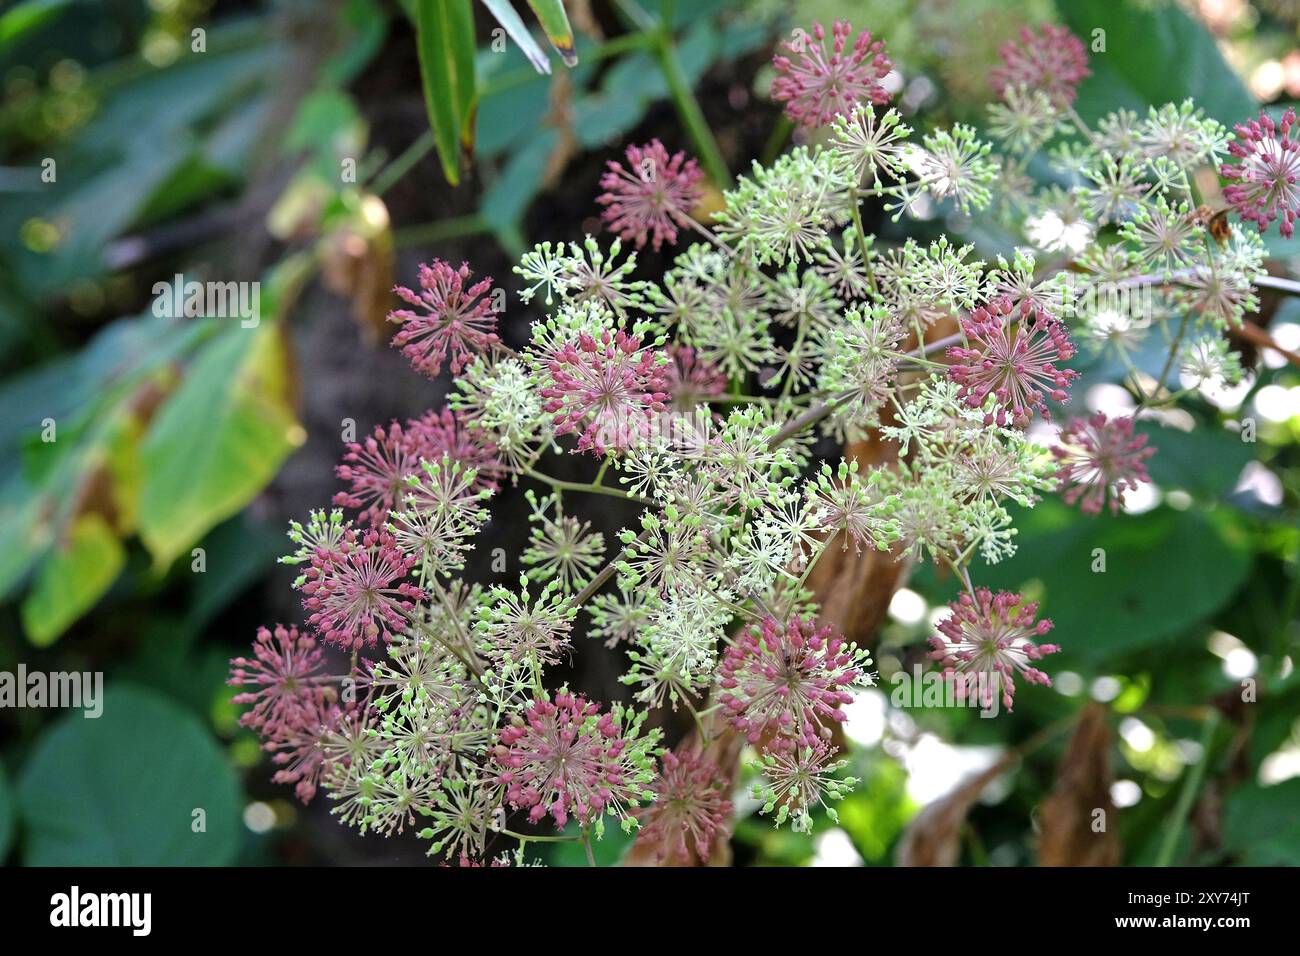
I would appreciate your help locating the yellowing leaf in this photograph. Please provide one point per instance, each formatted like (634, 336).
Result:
(218, 441)
(73, 577)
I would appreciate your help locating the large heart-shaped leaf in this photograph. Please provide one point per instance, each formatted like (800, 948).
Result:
(144, 784)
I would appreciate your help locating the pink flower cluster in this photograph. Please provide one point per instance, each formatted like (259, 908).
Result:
(1013, 358)
(784, 684)
(453, 325)
(817, 84)
(286, 678)
(292, 703)
(690, 809)
(994, 636)
(690, 379)
(1263, 183)
(652, 196)
(1053, 60)
(563, 758)
(377, 466)
(606, 389)
(1100, 459)
(355, 594)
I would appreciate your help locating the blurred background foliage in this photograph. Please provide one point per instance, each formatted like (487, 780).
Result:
(297, 144)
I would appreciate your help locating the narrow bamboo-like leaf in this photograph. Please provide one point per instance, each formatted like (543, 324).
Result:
(514, 26)
(551, 15)
(445, 40)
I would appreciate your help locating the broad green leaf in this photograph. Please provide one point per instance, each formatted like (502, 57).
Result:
(326, 119)
(73, 577)
(506, 16)
(1165, 571)
(1205, 462)
(126, 788)
(551, 15)
(1262, 824)
(1153, 55)
(445, 41)
(218, 441)
(505, 203)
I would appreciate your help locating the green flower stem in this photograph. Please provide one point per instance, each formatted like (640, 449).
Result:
(937, 345)
(812, 562)
(591, 488)
(705, 739)
(1083, 127)
(959, 568)
(658, 33)
(743, 261)
(1191, 787)
(392, 174)
(688, 109)
(854, 206)
(1169, 362)
(924, 363)
(440, 230)
(534, 838)
(776, 141)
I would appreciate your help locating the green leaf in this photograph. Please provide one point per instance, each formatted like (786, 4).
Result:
(19, 537)
(445, 41)
(73, 577)
(1261, 823)
(506, 16)
(364, 25)
(505, 203)
(1166, 570)
(7, 811)
(551, 15)
(1205, 462)
(607, 851)
(218, 441)
(1153, 55)
(27, 16)
(123, 789)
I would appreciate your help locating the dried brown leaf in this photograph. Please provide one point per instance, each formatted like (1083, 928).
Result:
(1076, 824)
